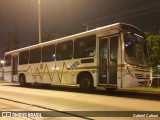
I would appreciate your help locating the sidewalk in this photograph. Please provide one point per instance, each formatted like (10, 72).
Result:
(3, 81)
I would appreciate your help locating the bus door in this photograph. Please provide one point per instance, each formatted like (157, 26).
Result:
(108, 49)
(14, 68)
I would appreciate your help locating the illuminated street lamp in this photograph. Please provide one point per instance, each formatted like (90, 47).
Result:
(39, 20)
(2, 61)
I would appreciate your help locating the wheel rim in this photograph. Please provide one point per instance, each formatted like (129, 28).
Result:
(86, 84)
(22, 81)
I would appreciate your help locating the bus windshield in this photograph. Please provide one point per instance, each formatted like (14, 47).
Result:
(136, 51)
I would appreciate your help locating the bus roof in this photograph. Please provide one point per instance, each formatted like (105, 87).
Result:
(75, 36)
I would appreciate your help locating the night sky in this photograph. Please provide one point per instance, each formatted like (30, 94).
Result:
(66, 17)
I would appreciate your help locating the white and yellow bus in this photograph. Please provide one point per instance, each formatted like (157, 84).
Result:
(113, 56)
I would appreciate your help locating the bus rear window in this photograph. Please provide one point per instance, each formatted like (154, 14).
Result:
(7, 60)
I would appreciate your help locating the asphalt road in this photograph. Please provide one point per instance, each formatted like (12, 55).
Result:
(63, 99)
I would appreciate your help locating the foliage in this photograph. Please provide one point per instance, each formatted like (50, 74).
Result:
(144, 89)
(154, 44)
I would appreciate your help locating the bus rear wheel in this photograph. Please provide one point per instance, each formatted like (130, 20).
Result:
(22, 80)
(86, 83)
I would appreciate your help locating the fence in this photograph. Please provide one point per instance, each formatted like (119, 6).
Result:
(1, 73)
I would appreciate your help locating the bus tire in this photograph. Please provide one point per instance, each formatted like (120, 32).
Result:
(86, 83)
(22, 81)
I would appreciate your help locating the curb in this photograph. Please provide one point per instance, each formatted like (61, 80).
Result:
(120, 90)
(141, 91)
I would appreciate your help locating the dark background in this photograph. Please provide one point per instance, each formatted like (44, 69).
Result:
(19, 18)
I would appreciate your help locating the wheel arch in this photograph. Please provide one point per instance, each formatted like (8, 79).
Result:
(82, 74)
(21, 74)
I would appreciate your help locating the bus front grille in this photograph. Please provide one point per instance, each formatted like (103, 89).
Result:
(142, 76)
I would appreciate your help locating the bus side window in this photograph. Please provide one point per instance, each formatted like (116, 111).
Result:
(113, 51)
(7, 60)
(35, 55)
(64, 50)
(85, 47)
(48, 53)
(23, 57)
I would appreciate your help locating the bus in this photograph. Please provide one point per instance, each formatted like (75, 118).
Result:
(114, 57)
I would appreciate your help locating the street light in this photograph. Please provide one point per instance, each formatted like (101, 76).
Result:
(2, 61)
(39, 20)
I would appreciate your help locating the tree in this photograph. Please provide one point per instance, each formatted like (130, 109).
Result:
(154, 44)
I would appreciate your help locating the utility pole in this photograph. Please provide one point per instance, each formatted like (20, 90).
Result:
(87, 26)
(39, 20)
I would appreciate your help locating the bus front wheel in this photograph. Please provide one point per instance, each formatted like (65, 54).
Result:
(86, 83)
